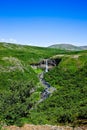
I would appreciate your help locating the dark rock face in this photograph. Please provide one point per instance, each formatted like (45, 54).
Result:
(50, 62)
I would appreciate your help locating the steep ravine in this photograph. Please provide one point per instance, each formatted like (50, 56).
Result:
(48, 89)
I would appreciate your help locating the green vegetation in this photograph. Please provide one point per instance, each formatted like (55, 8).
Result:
(38, 70)
(28, 54)
(16, 103)
(20, 88)
(69, 103)
(15, 63)
(16, 73)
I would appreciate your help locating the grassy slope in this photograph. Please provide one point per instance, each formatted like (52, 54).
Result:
(15, 68)
(69, 103)
(28, 54)
(15, 71)
(15, 62)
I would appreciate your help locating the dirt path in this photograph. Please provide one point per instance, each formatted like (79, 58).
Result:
(44, 127)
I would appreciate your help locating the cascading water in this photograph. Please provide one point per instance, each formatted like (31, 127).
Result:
(46, 70)
(48, 89)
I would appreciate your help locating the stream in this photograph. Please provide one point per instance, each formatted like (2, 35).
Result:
(48, 89)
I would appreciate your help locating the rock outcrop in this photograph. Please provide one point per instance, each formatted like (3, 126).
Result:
(50, 62)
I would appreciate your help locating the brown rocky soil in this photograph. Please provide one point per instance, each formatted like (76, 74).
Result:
(44, 127)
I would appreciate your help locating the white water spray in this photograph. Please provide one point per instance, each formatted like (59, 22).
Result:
(46, 70)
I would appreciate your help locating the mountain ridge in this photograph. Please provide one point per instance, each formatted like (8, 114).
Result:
(68, 47)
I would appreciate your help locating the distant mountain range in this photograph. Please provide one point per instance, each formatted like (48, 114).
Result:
(83, 47)
(68, 47)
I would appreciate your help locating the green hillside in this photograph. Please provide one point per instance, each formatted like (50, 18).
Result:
(17, 79)
(15, 62)
(20, 87)
(68, 105)
(29, 54)
(68, 47)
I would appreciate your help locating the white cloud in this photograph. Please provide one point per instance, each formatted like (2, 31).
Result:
(2, 40)
(10, 40)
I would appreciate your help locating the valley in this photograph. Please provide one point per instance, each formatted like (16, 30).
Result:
(51, 81)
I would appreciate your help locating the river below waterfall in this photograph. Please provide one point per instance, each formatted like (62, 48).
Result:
(48, 89)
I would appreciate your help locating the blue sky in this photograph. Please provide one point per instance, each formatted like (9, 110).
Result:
(43, 22)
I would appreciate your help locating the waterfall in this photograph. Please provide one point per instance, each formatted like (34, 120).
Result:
(46, 70)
